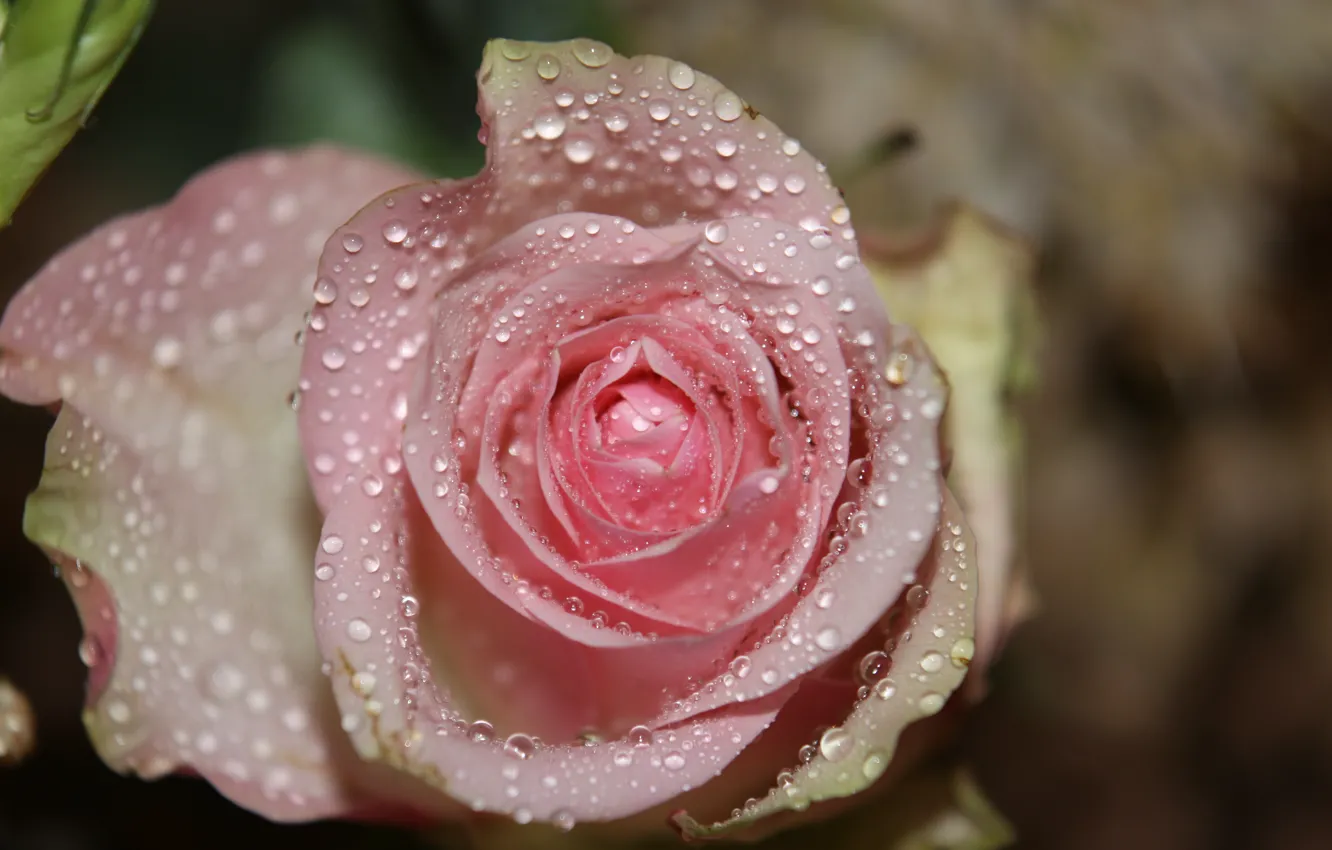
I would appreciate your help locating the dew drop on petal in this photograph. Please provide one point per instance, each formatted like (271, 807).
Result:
(548, 67)
(395, 232)
(727, 105)
(358, 630)
(681, 76)
(836, 743)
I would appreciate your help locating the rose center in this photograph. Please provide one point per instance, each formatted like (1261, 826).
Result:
(643, 417)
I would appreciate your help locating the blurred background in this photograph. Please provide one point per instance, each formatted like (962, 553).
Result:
(1169, 161)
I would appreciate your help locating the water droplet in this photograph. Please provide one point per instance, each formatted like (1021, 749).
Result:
(640, 736)
(827, 638)
(325, 291)
(591, 53)
(118, 711)
(515, 51)
(352, 243)
(659, 110)
(90, 651)
(727, 105)
(874, 765)
(836, 744)
(579, 151)
(395, 232)
(874, 666)
(359, 630)
(918, 596)
(885, 689)
(332, 544)
(741, 666)
(930, 703)
(768, 484)
(674, 760)
(962, 652)
(563, 820)
(225, 681)
(324, 572)
(681, 75)
(480, 731)
(549, 127)
(334, 358)
(548, 67)
(794, 183)
(715, 232)
(405, 279)
(616, 121)
(519, 746)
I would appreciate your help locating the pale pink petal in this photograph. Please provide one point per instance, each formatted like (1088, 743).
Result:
(932, 644)
(397, 707)
(175, 480)
(571, 125)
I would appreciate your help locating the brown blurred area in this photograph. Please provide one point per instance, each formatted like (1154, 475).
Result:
(1171, 164)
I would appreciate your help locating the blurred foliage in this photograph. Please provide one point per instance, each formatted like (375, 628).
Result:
(56, 59)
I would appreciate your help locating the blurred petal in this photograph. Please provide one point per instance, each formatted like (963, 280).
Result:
(174, 476)
(18, 728)
(927, 668)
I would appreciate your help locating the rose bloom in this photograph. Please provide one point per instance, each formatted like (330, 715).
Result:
(599, 485)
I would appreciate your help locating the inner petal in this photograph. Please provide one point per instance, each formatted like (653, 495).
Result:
(643, 417)
(644, 475)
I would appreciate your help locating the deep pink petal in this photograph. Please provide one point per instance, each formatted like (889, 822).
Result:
(883, 542)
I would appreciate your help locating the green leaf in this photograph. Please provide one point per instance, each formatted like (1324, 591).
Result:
(57, 57)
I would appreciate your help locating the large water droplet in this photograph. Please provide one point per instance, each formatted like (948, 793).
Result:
(548, 67)
(591, 53)
(727, 105)
(681, 75)
(836, 744)
(395, 232)
(549, 127)
(358, 630)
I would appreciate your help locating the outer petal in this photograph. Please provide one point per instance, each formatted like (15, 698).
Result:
(398, 709)
(572, 126)
(971, 298)
(930, 661)
(174, 473)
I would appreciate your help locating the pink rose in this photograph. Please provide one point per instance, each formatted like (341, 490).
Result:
(628, 486)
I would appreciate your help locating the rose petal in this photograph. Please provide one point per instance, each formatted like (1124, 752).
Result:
(971, 297)
(174, 475)
(853, 591)
(927, 667)
(644, 137)
(411, 722)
